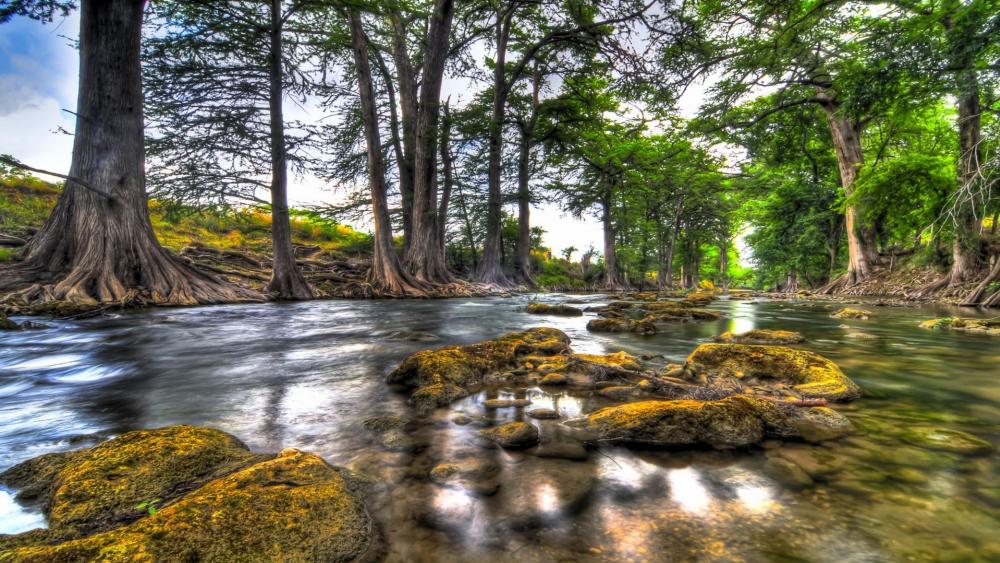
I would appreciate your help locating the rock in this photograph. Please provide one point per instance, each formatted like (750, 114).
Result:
(787, 473)
(380, 424)
(473, 474)
(818, 424)
(512, 435)
(646, 386)
(861, 335)
(601, 364)
(544, 414)
(398, 441)
(984, 326)
(461, 419)
(217, 502)
(561, 450)
(819, 463)
(645, 328)
(429, 397)
(810, 374)
(7, 324)
(554, 379)
(761, 336)
(412, 336)
(520, 402)
(616, 392)
(497, 403)
(729, 422)
(848, 313)
(467, 365)
(559, 310)
(942, 439)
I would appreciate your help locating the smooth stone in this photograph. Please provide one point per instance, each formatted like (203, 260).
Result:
(616, 392)
(554, 379)
(512, 435)
(561, 450)
(497, 403)
(461, 419)
(544, 414)
(787, 473)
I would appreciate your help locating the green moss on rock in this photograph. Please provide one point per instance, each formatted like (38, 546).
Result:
(810, 374)
(512, 435)
(849, 313)
(621, 325)
(558, 310)
(761, 336)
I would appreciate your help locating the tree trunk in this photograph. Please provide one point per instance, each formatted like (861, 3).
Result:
(424, 256)
(100, 249)
(611, 277)
(467, 221)
(448, 181)
(406, 77)
(724, 266)
(386, 273)
(965, 244)
(524, 209)
(286, 279)
(861, 242)
(491, 267)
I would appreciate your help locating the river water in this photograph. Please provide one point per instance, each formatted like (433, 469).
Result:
(912, 484)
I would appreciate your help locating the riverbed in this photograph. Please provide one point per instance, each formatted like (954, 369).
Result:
(913, 483)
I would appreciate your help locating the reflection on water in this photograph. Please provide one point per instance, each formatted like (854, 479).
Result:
(913, 484)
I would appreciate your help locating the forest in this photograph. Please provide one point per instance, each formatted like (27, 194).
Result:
(834, 145)
(499, 280)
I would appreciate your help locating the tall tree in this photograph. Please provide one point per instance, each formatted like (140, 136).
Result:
(98, 245)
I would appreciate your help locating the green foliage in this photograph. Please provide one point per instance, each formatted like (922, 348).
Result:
(148, 505)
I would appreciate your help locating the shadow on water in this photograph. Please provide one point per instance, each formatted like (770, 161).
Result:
(908, 485)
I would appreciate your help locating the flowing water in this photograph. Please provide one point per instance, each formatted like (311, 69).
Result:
(912, 484)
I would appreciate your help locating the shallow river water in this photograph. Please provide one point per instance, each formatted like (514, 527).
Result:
(912, 484)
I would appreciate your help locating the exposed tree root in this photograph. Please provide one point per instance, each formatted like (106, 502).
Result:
(979, 296)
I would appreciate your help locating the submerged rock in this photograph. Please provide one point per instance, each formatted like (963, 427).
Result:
(808, 373)
(7, 324)
(437, 395)
(942, 439)
(213, 501)
(982, 326)
(849, 313)
(558, 310)
(730, 422)
(761, 336)
(512, 435)
(642, 327)
(554, 379)
(544, 414)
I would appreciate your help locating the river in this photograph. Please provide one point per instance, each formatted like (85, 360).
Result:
(908, 485)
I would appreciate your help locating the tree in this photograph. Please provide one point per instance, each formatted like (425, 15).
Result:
(98, 245)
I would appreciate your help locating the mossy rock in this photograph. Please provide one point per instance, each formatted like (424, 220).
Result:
(293, 507)
(512, 435)
(558, 310)
(429, 397)
(7, 324)
(642, 327)
(983, 326)
(467, 365)
(810, 374)
(730, 422)
(761, 336)
(942, 439)
(849, 313)
(99, 488)
(617, 360)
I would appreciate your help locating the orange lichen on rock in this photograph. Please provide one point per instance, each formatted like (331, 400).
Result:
(761, 336)
(810, 374)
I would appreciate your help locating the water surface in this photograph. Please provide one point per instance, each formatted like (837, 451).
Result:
(307, 375)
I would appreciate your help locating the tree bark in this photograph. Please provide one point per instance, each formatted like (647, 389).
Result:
(611, 278)
(406, 77)
(447, 179)
(965, 244)
(524, 209)
(724, 266)
(286, 279)
(491, 266)
(386, 273)
(861, 237)
(93, 249)
(424, 256)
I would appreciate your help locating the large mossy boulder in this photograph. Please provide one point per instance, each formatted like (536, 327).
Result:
(558, 310)
(849, 313)
(730, 422)
(99, 488)
(186, 493)
(642, 327)
(808, 374)
(467, 365)
(761, 336)
(982, 326)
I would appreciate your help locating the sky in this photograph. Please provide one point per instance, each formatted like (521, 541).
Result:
(38, 78)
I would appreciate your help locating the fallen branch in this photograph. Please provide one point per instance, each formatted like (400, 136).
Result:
(15, 163)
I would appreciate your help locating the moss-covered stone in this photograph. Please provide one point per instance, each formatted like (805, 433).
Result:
(35, 479)
(849, 313)
(99, 488)
(437, 395)
(761, 336)
(7, 324)
(982, 326)
(467, 365)
(730, 422)
(809, 374)
(642, 327)
(512, 435)
(558, 310)
(293, 507)
(554, 379)
(943, 439)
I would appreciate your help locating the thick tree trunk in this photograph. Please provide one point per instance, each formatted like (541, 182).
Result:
(447, 179)
(491, 266)
(386, 273)
(524, 209)
(286, 279)
(424, 256)
(861, 238)
(96, 249)
(724, 266)
(406, 77)
(965, 245)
